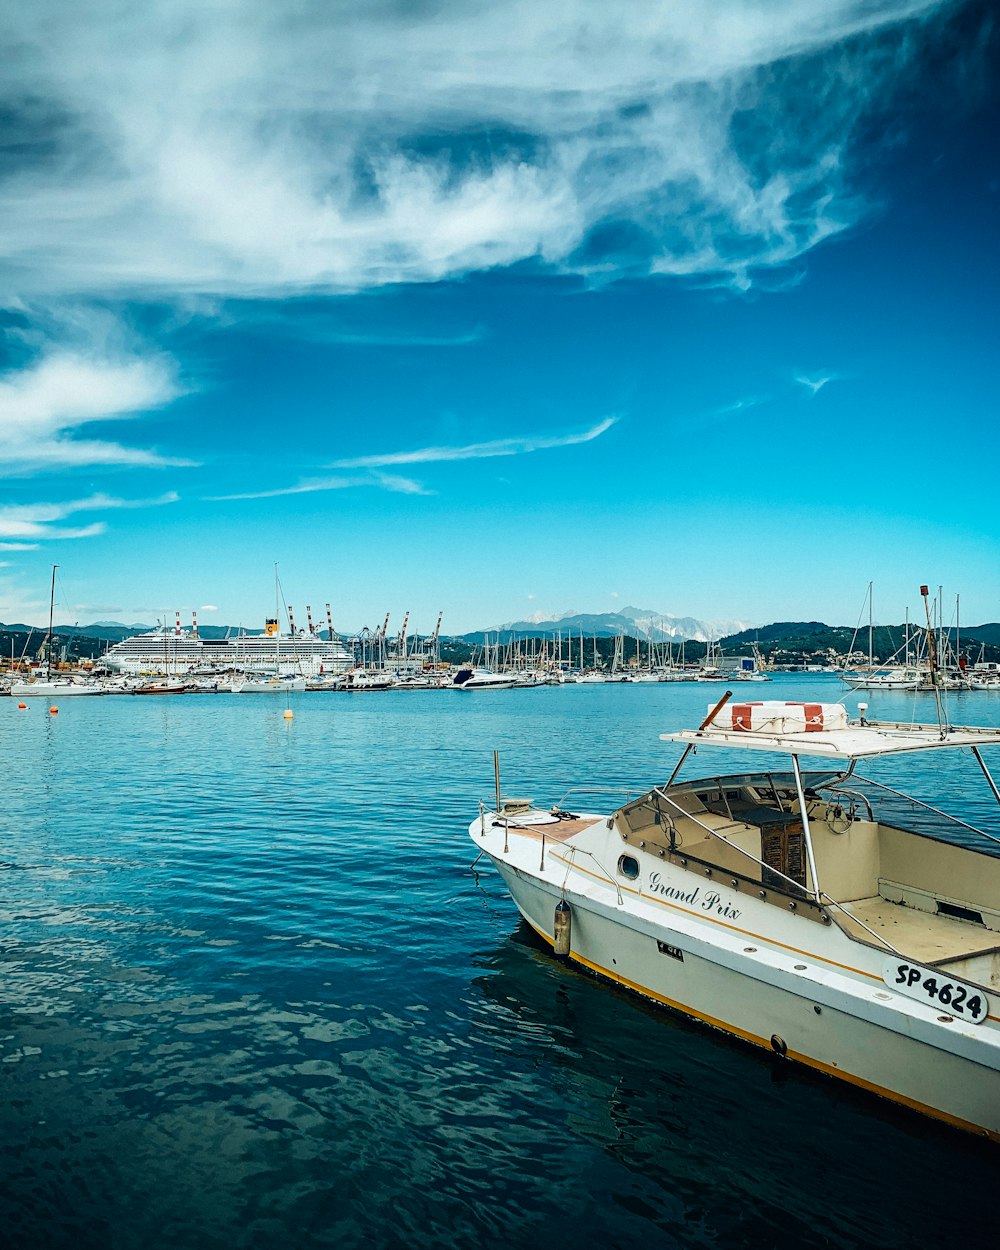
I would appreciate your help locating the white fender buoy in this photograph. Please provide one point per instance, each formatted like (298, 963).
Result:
(562, 929)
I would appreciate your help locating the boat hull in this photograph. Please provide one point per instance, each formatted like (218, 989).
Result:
(848, 1031)
(51, 690)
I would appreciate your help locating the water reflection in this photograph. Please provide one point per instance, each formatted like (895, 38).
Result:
(701, 1130)
(250, 993)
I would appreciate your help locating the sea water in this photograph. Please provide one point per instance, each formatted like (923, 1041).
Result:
(252, 994)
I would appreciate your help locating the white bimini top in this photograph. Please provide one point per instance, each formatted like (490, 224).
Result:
(824, 729)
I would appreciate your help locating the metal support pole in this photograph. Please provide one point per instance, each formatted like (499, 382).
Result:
(986, 773)
(807, 832)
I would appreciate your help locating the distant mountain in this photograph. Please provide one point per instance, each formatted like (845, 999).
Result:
(642, 623)
(781, 631)
(989, 633)
(107, 631)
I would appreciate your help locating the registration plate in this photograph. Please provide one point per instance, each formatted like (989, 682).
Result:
(927, 985)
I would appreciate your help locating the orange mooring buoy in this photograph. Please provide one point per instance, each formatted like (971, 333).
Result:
(22, 706)
(53, 711)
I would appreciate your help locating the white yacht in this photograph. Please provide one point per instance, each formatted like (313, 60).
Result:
(178, 651)
(901, 677)
(818, 914)
(53, 687)
(469, 677)
(284, 683)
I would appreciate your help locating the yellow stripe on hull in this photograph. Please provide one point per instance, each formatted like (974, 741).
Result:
(756, 1040)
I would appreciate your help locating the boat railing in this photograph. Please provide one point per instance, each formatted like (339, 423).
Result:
(600, 790)
(856, 796)
(572, 852)
(899, 794)
(796, 886)
(819, 896)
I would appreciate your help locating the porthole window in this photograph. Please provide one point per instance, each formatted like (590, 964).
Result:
(628, 866)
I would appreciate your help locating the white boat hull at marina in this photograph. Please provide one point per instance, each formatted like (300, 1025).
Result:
(268, 685)
(483, 679)
(43, 689)
(840, 1023)
(786, 908)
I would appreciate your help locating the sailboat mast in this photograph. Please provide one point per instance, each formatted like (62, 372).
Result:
(277, 621)
(48, 643)
(932, 658)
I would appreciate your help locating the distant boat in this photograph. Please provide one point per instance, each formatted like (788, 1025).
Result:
(60, 687)
(161, 687)
(269, 685)
(50, 687)
(903, 678)
(182, 650)
(373, 679)
(471, 678)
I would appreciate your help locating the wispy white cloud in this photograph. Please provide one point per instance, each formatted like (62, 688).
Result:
(815, 383)
(186, 150)
(381, 481)
(740, 405)
(478, 451)
(42, 520)
(44, 404)
(425, 455)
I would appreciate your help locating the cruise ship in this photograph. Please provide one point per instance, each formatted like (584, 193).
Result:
(177, 650)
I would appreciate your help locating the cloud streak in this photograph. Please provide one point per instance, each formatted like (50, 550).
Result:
(381, 481)
(43, 405)
(478, 451)
(40, 520)
(814, 384)
(425, 455)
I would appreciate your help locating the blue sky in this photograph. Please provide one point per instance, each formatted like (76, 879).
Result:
(504, 311)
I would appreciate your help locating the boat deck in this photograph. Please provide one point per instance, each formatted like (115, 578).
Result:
(921, 935)
(558, 831)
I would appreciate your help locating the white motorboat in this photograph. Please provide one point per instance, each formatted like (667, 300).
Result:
(373, 679)
(275, 684)
(817, 914)
(904, 677)
(474, 678)
(53, 688)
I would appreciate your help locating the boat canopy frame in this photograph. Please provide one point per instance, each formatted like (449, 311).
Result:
(864, 740)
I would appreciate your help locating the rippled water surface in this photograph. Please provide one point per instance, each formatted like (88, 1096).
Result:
(251, 994)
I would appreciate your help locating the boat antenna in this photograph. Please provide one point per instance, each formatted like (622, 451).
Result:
(932, 659)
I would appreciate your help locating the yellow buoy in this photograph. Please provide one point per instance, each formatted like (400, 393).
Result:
(288, 713)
